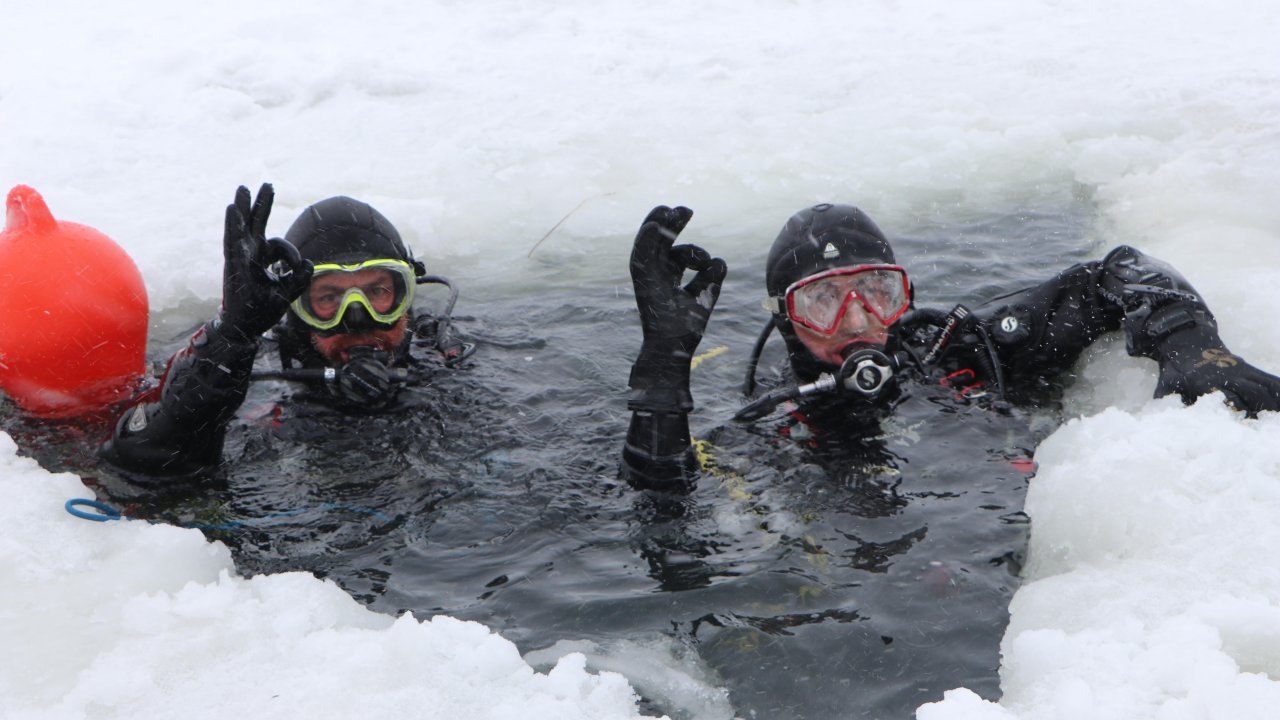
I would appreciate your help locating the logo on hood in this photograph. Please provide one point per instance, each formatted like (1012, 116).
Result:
(830, 252)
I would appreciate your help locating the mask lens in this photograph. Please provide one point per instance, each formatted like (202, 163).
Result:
(819, 302)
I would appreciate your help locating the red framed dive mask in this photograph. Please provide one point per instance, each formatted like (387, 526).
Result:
(819, 302)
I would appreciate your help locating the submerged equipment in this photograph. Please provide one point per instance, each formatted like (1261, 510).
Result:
(74, 334)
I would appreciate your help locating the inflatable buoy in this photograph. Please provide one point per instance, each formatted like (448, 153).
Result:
(73, 313)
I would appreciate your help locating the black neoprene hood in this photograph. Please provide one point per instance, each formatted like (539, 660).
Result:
(343, 230)
(820, 238)
(339, 230)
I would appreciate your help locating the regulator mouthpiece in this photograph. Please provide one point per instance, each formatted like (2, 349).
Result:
(867, 372)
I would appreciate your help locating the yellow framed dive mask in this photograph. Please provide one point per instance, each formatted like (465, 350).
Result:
(383, 287)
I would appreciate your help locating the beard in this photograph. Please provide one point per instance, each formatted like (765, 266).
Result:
(336, 348)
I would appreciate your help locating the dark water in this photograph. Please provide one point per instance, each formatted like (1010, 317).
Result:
(859, 582)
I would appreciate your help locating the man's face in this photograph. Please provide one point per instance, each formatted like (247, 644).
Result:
(858, 328)
(326, 294)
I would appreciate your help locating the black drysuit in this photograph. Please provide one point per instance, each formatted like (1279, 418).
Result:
(894, 535)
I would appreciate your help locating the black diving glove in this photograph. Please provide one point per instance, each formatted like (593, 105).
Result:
(672, 317)
(260, 277)
(1166, 320)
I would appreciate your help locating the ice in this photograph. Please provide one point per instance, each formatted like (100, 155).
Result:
(1152, 591)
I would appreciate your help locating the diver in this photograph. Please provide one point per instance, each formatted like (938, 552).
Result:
(845, 310)
(337, 295)
(862, 518)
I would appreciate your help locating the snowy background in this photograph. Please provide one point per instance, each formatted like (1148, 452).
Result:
(1151, 591)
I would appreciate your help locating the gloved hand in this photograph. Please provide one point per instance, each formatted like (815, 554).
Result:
(1157, 301)
(260, 277)
(1166, 320)
(367, 381)
(1196, 367)
(672, 317)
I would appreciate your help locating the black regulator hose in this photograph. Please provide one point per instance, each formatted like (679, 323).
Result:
(766, 403)
(366, 381)
(319, 375)
(440, 335)
(990, 361)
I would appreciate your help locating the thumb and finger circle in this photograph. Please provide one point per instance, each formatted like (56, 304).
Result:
(709, 278)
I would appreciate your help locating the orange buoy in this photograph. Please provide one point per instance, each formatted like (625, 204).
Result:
(73, 313)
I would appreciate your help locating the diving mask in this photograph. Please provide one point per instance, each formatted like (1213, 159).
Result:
(384, 288)
(819, 302)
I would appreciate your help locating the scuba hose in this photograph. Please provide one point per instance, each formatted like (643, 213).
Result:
(749, 385)
(441, 337)
(367, 381)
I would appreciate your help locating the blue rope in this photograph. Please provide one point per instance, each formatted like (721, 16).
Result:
(104, 511)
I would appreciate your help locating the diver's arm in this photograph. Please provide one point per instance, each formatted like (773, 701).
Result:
(205, 384)
(1165, 319)
(658, 454)
(1040, 331)
(181, 431)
